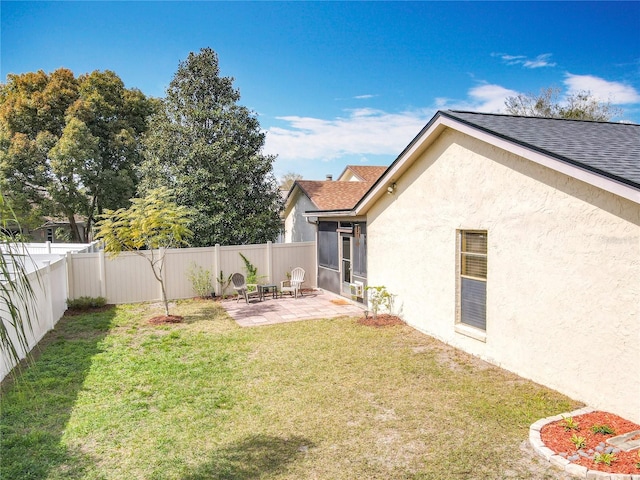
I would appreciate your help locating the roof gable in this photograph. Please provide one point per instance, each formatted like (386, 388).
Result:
(609, 149)
(363, 173)
(603, 154)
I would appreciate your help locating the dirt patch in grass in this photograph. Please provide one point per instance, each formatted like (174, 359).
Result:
(164, 319)
(382, 320)
(557, 436)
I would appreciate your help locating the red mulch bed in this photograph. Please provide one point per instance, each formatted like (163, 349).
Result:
(382, 320)
(164, 319)
(557, 438)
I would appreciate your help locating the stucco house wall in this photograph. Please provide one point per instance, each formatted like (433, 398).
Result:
(563, 281)
(296, 227)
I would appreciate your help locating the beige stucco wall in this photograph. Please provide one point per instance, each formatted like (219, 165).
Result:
(563, 285)
(297, 229)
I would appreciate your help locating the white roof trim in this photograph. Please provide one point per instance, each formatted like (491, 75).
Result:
(428, 136)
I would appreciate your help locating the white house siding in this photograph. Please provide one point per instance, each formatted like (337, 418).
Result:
(563, 283)
(297, 229)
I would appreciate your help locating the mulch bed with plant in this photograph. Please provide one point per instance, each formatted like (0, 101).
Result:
(583, 437)
(381, 320)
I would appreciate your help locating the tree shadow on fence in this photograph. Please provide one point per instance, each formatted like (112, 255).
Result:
(36, 405)
(251, 457)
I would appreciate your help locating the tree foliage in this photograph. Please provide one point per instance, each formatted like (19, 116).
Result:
(146, 228)
(577, 106)
(69, 146)
(208, 150)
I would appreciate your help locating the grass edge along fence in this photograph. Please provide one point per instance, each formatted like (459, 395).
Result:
(71, 274)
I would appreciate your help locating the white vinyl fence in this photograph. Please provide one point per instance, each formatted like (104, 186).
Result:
(49, 285)
(56, 248)
(128, 278)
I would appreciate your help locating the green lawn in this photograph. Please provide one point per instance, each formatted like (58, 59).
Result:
(112, 397)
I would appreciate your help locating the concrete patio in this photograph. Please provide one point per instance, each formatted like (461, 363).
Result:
(315, 303)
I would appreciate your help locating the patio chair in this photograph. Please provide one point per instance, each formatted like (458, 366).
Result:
(240, 286)
(294, 284)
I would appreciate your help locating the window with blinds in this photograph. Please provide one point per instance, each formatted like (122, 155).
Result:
(473, 278)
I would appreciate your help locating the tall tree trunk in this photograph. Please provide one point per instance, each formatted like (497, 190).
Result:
(75, 233)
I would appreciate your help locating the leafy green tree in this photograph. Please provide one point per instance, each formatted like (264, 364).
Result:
(577, 106)
(150, 225)
(17, 299)
(208, 150)
(70, 146)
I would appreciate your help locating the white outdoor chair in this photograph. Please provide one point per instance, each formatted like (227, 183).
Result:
(294, 284)
(240, 286)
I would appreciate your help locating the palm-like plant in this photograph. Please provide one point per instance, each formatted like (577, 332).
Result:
(17, 297)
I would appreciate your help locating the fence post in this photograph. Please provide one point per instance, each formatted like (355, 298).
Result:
(102, 273)
(69, 265)
(216, 268)
(48, 294)
(48, 247)
(269, 253)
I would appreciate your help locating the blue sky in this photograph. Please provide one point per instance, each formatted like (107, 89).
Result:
(338, 83)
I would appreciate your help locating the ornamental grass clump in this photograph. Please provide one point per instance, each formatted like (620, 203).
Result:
(570, 424)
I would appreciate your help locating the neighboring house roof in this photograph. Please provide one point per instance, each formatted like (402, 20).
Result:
(339, 194)
(61, 222)
(330, 195)
(603, 154)
(364, 173)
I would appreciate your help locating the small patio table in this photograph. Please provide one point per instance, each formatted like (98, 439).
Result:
(266, 289)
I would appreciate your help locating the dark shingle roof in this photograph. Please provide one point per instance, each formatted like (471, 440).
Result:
(608, 149)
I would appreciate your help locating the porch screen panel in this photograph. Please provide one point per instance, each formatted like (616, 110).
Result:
(328, 254)
(360, 250)
(473, 278)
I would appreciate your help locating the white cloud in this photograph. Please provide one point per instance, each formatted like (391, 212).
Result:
(615, 92)
(367, 131)
(487, 98)
(540, 61)
(361, 132)
(364, 97)
(490, 98)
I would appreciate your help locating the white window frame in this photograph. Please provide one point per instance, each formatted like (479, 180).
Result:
(461, 327)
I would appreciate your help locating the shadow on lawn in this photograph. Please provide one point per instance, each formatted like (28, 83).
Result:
(36, 406)
(251, 457)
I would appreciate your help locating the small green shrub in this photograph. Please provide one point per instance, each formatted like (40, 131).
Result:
(379, 297)
(570, 424)
(579, 442)
(606, 458)
(252, 272)
(224, 283)
(85, 303)
(200, 279)
(603, 429)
